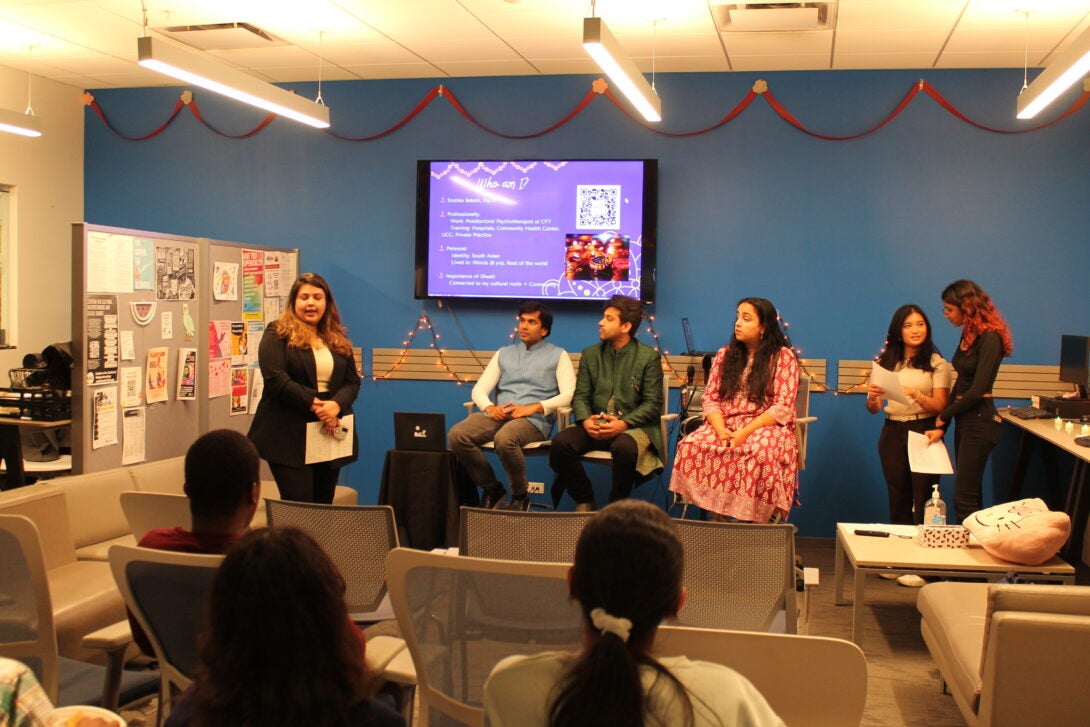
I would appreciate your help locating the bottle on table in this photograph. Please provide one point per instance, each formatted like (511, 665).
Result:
(934, 512)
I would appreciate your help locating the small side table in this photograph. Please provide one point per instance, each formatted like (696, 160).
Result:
(425, 489)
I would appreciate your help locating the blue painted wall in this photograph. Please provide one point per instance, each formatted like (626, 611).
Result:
(838, 234)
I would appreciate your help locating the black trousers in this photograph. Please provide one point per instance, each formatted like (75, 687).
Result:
(309, 483)
(907, 489)
(975, 435)
(570, 444)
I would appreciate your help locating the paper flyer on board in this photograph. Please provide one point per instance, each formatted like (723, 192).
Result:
(240, 390)
(219, 339)
(253, 284)
(109, 263)
(224, 280)
(272, 275)
(187, 374)
(104, 417)
(143, 264)
(156, 377)
(239, 343)
(219, 377)
(257, 388)
(132, 386)
(174, 273)
(103, 339)
(133, 435)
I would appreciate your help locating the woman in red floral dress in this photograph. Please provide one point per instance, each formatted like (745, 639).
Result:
(742, 463)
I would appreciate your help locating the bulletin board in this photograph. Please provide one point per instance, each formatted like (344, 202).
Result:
(164, 338)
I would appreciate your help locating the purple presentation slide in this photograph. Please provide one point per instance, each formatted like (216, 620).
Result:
(535, 229)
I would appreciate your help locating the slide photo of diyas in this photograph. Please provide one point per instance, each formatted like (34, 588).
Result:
(596, 257)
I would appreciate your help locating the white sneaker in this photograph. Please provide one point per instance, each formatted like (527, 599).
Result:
(911, 580)
(888, 576)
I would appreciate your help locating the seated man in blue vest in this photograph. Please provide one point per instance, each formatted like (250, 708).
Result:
(531, 379)
(616, 408)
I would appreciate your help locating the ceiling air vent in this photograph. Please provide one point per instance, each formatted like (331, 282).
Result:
(222, 36)
(750, 17)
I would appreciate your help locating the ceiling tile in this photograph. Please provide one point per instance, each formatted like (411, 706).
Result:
(888, 41)
(396, 70)
(880, 61)
(455, 51)
(489, 68)
(897, 14)
(780, 63)
(788, 44)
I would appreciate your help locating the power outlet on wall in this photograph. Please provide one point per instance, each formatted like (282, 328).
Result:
(536, 488)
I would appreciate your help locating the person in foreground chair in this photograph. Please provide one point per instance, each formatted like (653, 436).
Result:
(627, 578)
(222, 482)
(616, 405)
(280, 649)
(531, 379)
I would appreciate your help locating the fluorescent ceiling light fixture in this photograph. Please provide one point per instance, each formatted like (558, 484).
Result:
(14, 122)
(208, 73)
(1065, 71)
(607, 53)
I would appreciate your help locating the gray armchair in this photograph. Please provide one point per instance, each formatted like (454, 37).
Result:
(1011, 654)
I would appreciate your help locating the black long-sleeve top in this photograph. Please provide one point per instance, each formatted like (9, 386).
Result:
(977, 368)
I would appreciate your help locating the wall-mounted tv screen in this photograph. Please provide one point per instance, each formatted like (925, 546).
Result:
(567, 230)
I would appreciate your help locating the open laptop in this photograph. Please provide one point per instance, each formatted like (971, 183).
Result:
(420, 431)
(690, 348)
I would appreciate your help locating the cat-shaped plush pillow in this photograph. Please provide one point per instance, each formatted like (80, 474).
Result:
(1025, 531)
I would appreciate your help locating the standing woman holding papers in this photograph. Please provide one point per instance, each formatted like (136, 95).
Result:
(310, 377)
(925, 378)
(985, 341)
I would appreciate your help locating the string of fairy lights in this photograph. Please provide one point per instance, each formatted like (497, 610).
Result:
(424, 323)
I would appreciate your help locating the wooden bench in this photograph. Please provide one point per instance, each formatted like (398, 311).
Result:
(1015, 381)
(466, 366)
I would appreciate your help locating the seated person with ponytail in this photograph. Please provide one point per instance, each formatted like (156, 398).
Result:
(627, 579)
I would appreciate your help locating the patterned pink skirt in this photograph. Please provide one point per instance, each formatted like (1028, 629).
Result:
(752, 482)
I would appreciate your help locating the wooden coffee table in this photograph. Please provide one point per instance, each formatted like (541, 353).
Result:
(899, 555)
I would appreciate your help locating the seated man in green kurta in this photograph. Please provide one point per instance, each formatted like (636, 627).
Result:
(616, 406)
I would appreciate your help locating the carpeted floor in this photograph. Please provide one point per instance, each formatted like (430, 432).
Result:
(903, 682)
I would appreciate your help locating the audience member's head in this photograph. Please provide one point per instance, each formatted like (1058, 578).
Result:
(222, 478)
(627, 578)
(280, 648)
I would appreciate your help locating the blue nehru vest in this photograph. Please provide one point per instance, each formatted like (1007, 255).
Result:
(529, 376)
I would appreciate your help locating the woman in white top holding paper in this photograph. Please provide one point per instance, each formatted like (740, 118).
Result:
(926, 378)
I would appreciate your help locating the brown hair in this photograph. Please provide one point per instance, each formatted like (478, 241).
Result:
(330, 329)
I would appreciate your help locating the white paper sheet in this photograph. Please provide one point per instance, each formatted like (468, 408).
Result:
(134, 430)
(322, 448)
(890, 382)
(929, 459)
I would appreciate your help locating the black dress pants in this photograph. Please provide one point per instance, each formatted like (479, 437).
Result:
(570, 444)
(309, 483)
(908, 491)
(976, 433)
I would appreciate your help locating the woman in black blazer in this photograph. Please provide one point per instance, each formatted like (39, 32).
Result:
(310, 376)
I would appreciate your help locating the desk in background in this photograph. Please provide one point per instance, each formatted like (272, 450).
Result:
(425, 489)
(11, 446)
(1042, 431)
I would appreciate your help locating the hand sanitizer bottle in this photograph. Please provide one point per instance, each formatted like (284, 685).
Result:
(934, 512)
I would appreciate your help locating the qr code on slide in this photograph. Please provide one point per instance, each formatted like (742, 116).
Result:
(598, 206)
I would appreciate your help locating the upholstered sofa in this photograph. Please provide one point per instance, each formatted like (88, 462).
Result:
(1011, 654)
(79, 518)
